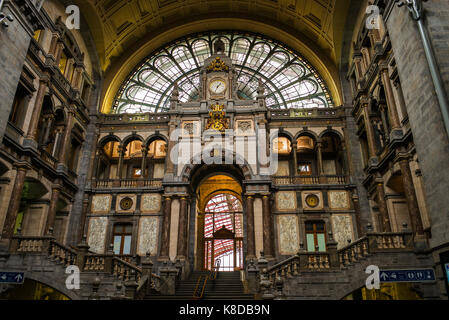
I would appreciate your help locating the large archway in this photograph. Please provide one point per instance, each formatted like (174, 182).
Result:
(220, 222)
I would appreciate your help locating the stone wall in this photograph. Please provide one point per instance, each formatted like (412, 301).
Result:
(425, 118)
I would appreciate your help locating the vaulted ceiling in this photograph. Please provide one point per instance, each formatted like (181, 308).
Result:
(117, 25)
(126, 31)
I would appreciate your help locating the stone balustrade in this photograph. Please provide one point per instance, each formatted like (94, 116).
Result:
(354, 252)
(300, 180)
(127, 183)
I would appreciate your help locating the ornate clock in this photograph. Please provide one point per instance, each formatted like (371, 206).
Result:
(126, 203)
(312, 200)
(217, 86)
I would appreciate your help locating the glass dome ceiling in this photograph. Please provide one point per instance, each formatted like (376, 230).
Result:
(290, 81)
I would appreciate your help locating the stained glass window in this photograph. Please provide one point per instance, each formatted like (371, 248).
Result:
(290, 81)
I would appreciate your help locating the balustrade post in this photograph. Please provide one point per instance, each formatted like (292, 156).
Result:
(109, 260)
(83, 251)
(334, 261)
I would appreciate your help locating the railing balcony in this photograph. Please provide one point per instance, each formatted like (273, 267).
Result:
(295, 180)
(127, 183)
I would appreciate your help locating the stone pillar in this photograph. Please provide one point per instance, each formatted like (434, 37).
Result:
(369, 131)
(66, 139)
(83, 219)
(14, 202)
(144, 161)
(386, 227)
(165, 234)
(182, 229)
(48, 129)
(56, 190)
(34, 123)
(355, 201)
(383, 116)
(121, 151)
(295, 159)
(409, 190)
(397, 85)
(171, 144)
(319, 146)
(268, 240)
(392, 109)
(251, 246)
(53, 48)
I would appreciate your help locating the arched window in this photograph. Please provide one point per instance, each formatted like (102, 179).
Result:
(291, 82)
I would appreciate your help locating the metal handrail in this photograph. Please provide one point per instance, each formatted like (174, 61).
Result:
(211, 276)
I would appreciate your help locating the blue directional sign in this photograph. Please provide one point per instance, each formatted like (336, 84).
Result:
(12, 277)
(407, 275)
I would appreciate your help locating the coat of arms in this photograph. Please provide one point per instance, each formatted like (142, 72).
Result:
(217, 119)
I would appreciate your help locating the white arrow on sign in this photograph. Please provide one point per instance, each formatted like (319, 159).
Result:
(19, 277)
(384, 276)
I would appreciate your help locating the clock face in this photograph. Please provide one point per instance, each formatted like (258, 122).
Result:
(217, 86)
(312, 200)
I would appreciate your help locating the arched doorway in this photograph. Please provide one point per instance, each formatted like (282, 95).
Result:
(220, 228)
(223, 232)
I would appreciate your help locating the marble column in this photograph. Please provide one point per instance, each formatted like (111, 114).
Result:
(34, 123)
(171, 144)
(14, 202)
(392, 109)
(144, 162)
(268, 234)
(66, 139)
(56, 191)
(165, 234)
(295, 159)
(182, 229)
(412, 202)
(319, 146)
(121, 152)
(251, 246)
(383, 210)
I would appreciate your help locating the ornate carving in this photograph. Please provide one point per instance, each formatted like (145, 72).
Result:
(151, 202)
(126, 203)
(101, 203)
(97, 234)
(288, 234)
(217, 119)
(338, 200)
(148, 234)
(286, 200)
(342, 229)
(217, 65)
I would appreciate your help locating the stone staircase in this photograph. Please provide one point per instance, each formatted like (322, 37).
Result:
(227, 286)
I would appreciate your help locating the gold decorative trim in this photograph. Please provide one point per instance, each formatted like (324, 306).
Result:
(217, 65)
